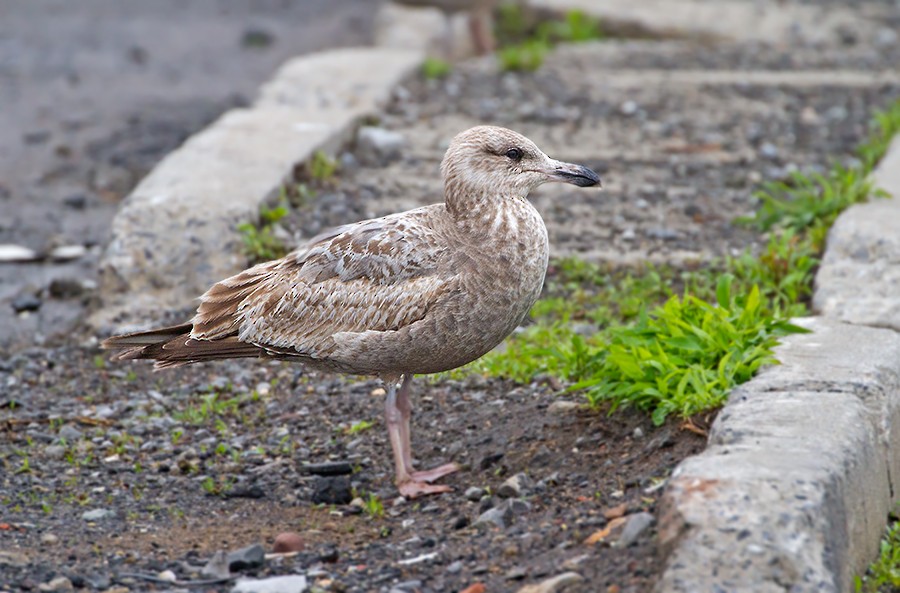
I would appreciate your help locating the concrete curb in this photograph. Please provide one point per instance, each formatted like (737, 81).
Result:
(220, 177)
(793, 492)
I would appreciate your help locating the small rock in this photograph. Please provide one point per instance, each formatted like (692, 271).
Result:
(57, 584)
(285, 584)
(514, 487)
(55, 452)
(518, 506)
(768, 150)
(497, 516)
(69, 433)
(554, 584)
(377, 146)
(562, 407)
(490, 459)
(455, 567)
(217, 567)
(635, 525)
(474, 493)
(16, 253)
(26, 302)
(16, 559)
(68, 252)
(638, 433)
(329, 468)
(66, 288)
(49, 539)
(407, 586)
(168, 576)
(288, 542)
(332, 490)
(246, 558)
(97, 515)
(75, 201)
(628, 108)
(616, 511)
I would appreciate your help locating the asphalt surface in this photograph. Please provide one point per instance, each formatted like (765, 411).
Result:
(93, 93)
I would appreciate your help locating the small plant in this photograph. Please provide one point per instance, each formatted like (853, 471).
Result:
(322, 168)
(373, 506)
(885, 571)
(434, 68)
(576, 27)
(260, 242)
(358, 427)
(527, 56)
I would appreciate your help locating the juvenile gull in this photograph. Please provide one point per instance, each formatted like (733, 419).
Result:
(419, 292)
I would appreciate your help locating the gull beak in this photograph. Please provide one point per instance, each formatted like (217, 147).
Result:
(571, 173)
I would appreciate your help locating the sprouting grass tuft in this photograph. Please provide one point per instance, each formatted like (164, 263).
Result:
(434, 68)
(260, 242)
(524, 42)
(884, 573)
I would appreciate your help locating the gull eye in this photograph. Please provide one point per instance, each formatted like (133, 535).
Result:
(514, 154)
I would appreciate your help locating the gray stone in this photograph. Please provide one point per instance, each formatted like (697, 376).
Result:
(553, 584)
(175, 234)
(14, 559)
(68, 252)
(216, 567)
(378, 146)
(498, 516)
(795, 484)
(246, 558)
(859, 278)
(55, 452)
(16, 253)
(562, 406)
(474, 493)
(635, 525)
(26, 302)
(57, 584)
(284, 584)
(69, 433)
(97, 515)
(515, 486)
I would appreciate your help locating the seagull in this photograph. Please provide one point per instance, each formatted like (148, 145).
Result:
(418, 292)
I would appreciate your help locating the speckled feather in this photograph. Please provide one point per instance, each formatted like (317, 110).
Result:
(422, 291)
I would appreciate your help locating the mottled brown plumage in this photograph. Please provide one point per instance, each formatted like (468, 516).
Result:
(418, 292)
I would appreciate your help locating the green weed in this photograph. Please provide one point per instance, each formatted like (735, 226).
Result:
(260, 242)
(524, 42)
(884, 573)
(322, 168)
(358, 427)
(434, 68)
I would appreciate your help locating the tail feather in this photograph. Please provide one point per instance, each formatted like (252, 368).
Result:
(173, 346)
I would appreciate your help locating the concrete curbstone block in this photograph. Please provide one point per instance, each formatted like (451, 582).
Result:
(175, 234)
(793, 491)
(859, 279)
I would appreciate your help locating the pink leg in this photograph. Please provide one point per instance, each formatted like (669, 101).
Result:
(405, 407)
(411, 484)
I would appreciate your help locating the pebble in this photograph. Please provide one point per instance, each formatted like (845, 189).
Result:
(55, 452)
(562, 406)
(288, 541)
(638, 433)
(455, 567)
(217, 567)
(329, 468)
(16, 253)
(474, 493)
(332, 490)
(285, 584)
(68, 252)
(407, 586)
(69, 433)
(635, 525)
(49, 539)
(168, 576)
(378, 146)
(16, 559)
(26, 302)
(75, 201)
(628, 108)
(97, 515)
(515, 486)
(57, 584)
(554, 584)
(497, 516)
(246, 558)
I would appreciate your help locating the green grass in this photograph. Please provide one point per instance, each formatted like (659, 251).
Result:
(260, 242)
(434, 68)
(524, 43)
(883, 575)
(677, 341)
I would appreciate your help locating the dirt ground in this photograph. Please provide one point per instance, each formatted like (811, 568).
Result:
(111, 474)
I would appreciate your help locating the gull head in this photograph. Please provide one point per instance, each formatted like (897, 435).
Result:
(488, 161)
